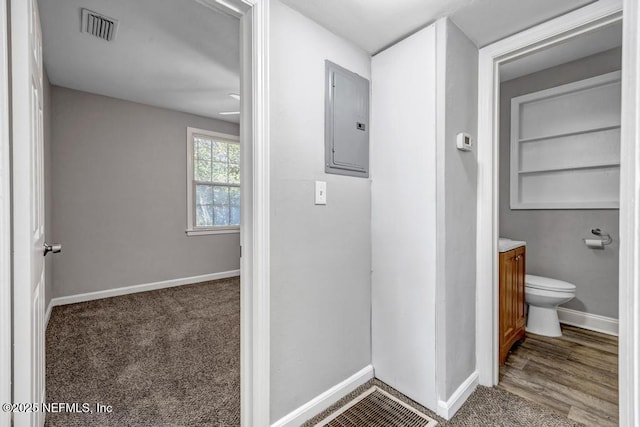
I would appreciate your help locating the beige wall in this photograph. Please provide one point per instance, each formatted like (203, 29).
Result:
(554, 237)
(119, 196)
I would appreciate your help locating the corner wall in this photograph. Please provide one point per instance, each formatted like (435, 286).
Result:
(119, 196)
(403, 171)
(554, 237)
(320, 255)
(424, 216)
(456, 209)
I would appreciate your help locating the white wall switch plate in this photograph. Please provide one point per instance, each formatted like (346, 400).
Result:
(321, 193)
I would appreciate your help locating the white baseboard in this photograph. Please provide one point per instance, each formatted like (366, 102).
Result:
(593, 322)
(449, 408)
(125, 290)
(326, 399)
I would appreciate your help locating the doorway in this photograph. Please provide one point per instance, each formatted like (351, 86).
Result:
(559, 184)
(141, 89)
(587, 19)
(253, 16)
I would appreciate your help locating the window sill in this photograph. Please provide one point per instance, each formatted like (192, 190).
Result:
(207, 232)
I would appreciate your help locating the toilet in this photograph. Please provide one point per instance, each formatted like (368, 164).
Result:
(543, 296)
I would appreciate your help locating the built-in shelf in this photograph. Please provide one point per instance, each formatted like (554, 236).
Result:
(565, 146)
(563, 135)
(600, 204)
(573, 167)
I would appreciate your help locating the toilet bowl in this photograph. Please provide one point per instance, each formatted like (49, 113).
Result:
(543, 296)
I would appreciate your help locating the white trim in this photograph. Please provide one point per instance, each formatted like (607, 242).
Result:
(592, 322)
(588, 18)
(5, 222)
(487, 226)
(441, 305)
(208, 232)
(629, 275)
(246, 215)
(326, 399)
(133, 289)
(206, 132)
(556, 30)
(255, 217)
(449, 408)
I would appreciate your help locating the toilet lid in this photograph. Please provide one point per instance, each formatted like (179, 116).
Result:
(547, 284)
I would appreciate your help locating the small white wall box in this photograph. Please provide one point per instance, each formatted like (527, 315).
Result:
(464, 141)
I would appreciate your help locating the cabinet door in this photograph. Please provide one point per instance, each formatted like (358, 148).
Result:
(507, 297)
(512, 303)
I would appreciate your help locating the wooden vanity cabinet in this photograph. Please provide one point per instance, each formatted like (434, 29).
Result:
(512, 317)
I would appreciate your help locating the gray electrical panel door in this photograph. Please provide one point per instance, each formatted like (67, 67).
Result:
(346, 122)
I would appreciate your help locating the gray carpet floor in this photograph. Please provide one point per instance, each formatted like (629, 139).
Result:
(487, 406)
(162, 358)
(171, 358)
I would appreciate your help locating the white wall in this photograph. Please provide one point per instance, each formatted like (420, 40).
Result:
(119, 196)
(554, 237)
(320, 255)
(403, 165)
(423, 214)
(456, 209)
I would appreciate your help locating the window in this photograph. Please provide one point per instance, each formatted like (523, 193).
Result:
(565, 146)
(213, 182)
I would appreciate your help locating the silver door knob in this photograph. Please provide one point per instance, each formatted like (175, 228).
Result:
(55, 248)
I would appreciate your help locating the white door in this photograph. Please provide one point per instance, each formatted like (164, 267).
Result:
(28, 210)
(5, 221)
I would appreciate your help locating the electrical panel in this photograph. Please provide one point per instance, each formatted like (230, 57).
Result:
(346, 122)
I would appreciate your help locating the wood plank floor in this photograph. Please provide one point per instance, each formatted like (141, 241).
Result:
(575, 375)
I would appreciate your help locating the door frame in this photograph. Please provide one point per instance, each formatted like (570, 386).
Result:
(580, 21)
(255, 215)
(629, 344)
(255, 212)
(5, 220)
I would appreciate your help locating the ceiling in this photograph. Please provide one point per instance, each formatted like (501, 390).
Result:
(576, 48)
(487, 21)
(381, 23)
(184, 55)
(180, 55)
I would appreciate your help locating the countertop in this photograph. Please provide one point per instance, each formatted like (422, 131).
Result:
(505, 245)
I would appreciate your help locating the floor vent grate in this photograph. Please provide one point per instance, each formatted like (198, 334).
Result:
(377, 408)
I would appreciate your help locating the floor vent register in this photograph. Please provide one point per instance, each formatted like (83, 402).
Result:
(377, 408)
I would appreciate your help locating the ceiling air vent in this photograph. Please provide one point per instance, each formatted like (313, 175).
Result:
(98, 25)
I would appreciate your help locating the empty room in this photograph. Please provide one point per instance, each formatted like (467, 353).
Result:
(142, 175)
